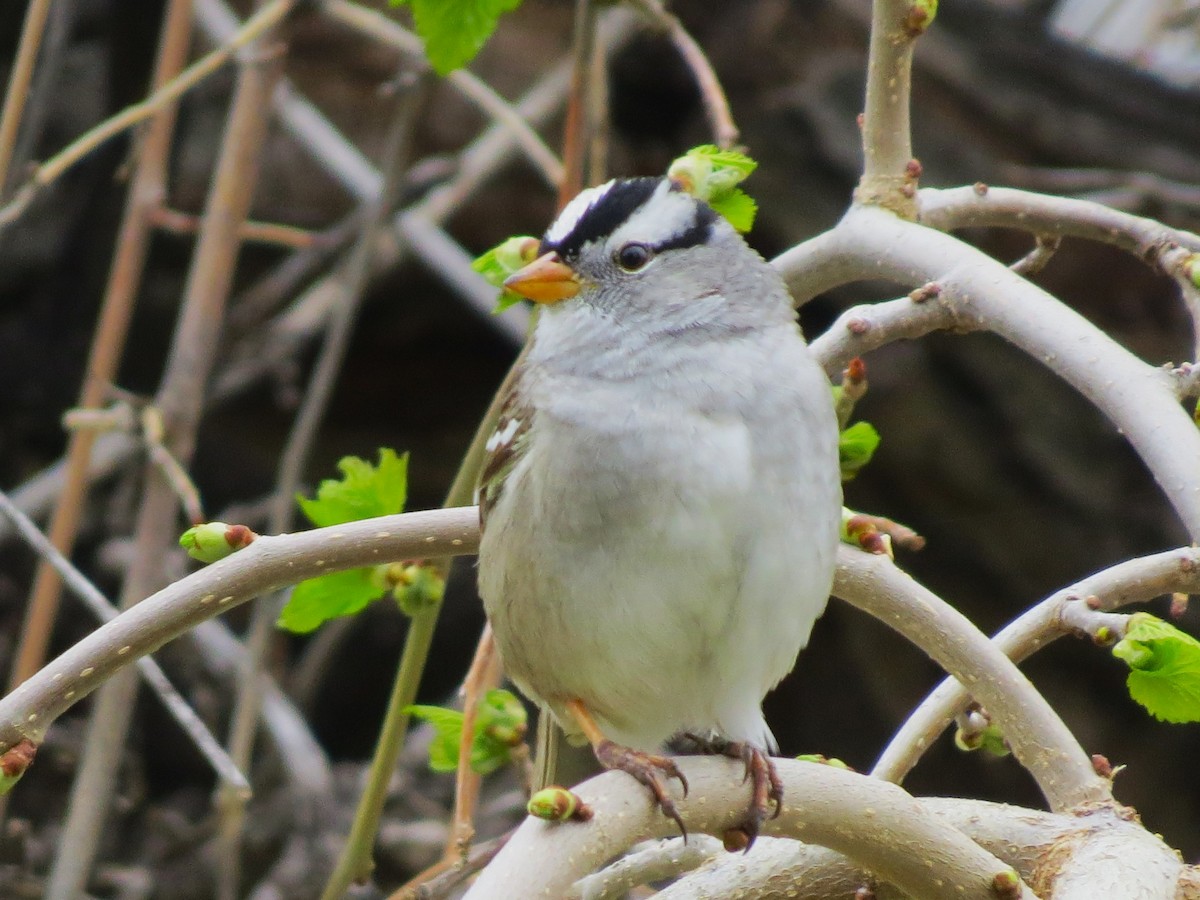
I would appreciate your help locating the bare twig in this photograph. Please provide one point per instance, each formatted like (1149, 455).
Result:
(260, 23)
(483, 675)
(1135, 581)
(869, 820)
(964, 207)
(34, 27)
(180, 400)
(288, 236)
(577, 127)
(1037, 258)
(145, 192)
(299, 447)
(716, 104)
(99, 605)
(378, 26)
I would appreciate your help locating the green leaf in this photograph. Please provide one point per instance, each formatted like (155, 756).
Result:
(364, 491)
(455, 30)
(1164, 667)
(317, 600)
(856, 446)
(738, 207)
(711, 174)
(500, 724)
(502, 260)
(447, 725)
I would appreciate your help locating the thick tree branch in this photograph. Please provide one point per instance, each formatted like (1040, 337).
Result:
(876, 824)
(1138, 398)
(1038, 737)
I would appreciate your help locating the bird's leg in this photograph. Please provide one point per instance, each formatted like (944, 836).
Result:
(766, 788)
(647, 768)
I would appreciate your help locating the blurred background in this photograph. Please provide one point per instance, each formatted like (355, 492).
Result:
(1018, 484)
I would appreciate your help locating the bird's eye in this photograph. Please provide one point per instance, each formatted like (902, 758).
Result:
(632, 257)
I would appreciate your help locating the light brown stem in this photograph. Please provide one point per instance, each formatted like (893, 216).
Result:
(34, 27)
(180, 401)
(145, 194)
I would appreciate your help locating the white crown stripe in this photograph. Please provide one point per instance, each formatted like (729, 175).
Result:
(574, 211)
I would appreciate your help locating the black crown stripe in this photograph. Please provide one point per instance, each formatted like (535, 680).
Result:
(606, 215)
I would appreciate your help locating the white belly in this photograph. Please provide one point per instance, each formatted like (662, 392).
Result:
(664, 594)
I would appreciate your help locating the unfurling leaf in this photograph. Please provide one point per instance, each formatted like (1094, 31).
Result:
(503, 260)
(500, 725)
(317, 600)
(1164, 665)
(713, 175)
(856, 446)
(362, 492)
(455, 30)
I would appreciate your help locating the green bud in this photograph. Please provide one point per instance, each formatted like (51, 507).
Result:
(418, 587)
(14, 762)
(503, 718)
(557, 804)
(920, 16)
(1191, 269)
(1135, 654)
(215, 540)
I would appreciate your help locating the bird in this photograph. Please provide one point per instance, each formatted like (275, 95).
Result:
(660, 498)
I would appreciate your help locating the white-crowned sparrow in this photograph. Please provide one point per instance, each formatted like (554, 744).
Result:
(661, 498)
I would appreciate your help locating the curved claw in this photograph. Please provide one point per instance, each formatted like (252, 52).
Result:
(766, 787)
(649, 769)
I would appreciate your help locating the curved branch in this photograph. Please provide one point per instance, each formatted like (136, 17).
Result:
(1019, 836)
(875, 823)
(266, 565)
(1139, 399)
(1038, 737)
(966, 207)
(1135, 581)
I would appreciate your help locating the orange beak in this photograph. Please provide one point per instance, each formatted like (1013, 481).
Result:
(545, 280)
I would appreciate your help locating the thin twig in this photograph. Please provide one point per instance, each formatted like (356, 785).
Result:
(1037, 258)
(1038, 737)
(180, 400)
(99, 605)
(576, 129)
(34, 27)
(982, 205)
(289, 236)
(716, 104)
(145, 192)
(257, 25)
(397, 151)
(379, 27)
(1135, 581)
(483, 675)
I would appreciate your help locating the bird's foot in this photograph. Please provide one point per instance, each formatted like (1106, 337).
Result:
(766, 788)
(650, 769)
